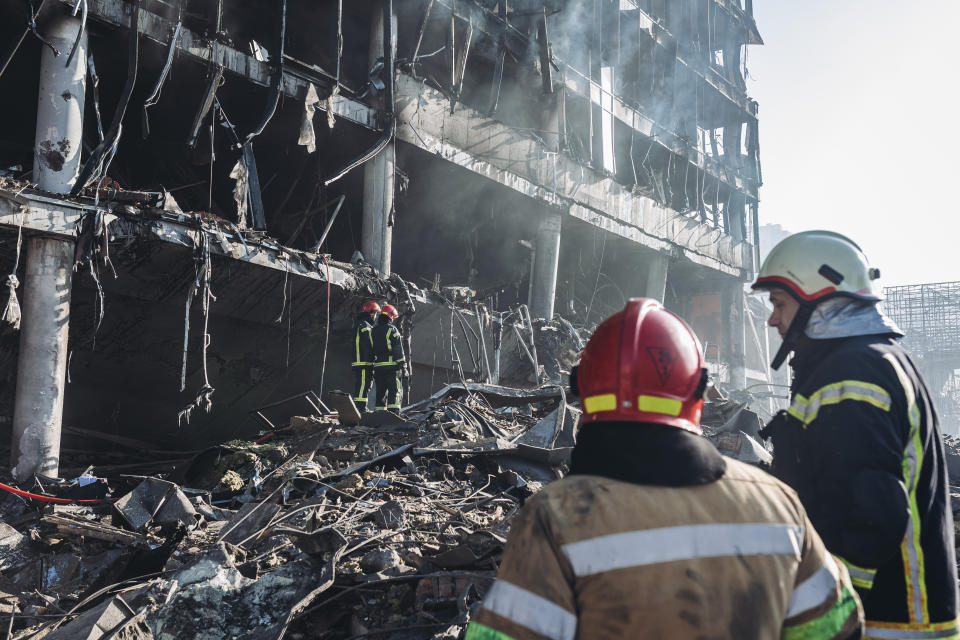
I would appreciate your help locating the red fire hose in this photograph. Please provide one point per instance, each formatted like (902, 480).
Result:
(53, 499)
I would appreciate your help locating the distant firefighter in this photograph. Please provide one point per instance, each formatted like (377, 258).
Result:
(390, 359)
(654, 534)
(363, 352)
(861, 442)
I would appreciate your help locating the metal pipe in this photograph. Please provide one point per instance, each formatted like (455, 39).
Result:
(483, 341)
(497, 349)
(326, 229)
(526, 350)
(420, 32)
(533, 345)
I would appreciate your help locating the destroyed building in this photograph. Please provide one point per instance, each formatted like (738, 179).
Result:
(195, 196)
(929, 315)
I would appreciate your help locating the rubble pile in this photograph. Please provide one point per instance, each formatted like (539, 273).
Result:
(388, 528)
(342, 525)
(735, 430)
(951, 446)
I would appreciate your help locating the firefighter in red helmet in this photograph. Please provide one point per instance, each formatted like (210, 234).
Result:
(654, 534)
(390, 359)
(363, 352)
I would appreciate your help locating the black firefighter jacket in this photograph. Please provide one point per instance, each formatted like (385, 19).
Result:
(861, 445)
(362, 341)
(387, 344)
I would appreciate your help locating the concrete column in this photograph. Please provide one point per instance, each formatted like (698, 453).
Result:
(56, 153)
(376, 235)
(545, 266)
(735, 325)
(42, 361)
(657, 268)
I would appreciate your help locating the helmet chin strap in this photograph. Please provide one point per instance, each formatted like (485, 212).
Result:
(794, 333)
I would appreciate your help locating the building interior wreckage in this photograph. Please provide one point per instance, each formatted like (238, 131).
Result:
(199, 195)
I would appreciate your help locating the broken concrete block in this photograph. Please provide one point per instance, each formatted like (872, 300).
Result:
(346, 409)
(112, 619)
(213, 568)
(413, 557)
(390, 515)
(211, 599)
(58, 570)
(556, 429)
(319, 543)
(13, 547)
(742, 447)
(380, 560)
(156, 501)
(251, 517)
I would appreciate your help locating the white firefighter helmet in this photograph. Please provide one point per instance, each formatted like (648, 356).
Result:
(814, 265)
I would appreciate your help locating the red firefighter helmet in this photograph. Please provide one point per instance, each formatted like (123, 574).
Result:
(370, 307)
(389, 310)
(642, 364)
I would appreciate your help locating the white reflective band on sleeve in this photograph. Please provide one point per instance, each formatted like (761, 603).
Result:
(531, 611)
(815, 590)
(859, 573)
(908, 634)
(806, 410)
(668, 544)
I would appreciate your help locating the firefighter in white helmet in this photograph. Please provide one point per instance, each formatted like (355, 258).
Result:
(654, 534)
(861, 442)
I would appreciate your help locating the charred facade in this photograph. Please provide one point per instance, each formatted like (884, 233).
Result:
(192, 181)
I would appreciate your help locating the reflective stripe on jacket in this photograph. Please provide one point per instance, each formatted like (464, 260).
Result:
(595, 558)
(861, 445)
(362, 341)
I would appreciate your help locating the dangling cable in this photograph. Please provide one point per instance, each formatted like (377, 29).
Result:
(203, 273)
(326, 338)
(16, 46)
(276, 78)
(11, 313)
(388, 96)
(83, 28)
(89, 173)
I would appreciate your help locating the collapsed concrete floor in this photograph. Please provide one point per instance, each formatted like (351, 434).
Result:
(279, 325)
(385, 526)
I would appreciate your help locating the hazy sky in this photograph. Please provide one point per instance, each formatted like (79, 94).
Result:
(859, 127)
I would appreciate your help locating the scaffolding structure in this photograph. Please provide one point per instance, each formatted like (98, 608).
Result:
(929, 315)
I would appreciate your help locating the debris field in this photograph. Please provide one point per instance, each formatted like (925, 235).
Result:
(337, 525)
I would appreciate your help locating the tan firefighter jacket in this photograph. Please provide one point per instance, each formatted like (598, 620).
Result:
(591, 558)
